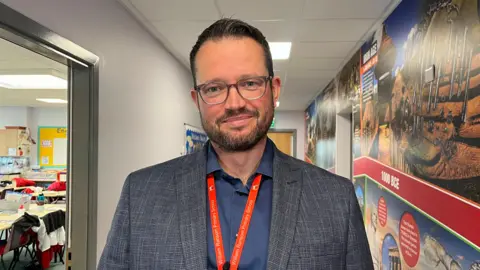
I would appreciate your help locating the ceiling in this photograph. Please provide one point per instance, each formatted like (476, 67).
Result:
(324, 33)
(18, 60)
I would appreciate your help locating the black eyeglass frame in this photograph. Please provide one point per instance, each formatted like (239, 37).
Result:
(229, 86)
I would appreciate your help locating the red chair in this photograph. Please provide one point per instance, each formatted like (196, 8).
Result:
(8, 245)
(16, 242)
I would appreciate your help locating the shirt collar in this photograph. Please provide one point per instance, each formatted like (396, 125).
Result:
(265, 167)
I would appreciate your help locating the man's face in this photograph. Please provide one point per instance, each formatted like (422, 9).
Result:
(237, 124)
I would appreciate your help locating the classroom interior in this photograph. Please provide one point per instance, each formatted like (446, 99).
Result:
(33, 159)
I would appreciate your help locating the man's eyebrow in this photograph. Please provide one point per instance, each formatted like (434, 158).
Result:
(241, 77)
(246, 76)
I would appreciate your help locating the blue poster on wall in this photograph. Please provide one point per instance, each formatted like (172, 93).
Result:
(195, 138)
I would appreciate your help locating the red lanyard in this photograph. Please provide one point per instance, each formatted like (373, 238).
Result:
(244, 224)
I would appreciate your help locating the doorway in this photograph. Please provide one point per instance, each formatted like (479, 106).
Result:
(344, 155)
(285, 140)
(64, 133)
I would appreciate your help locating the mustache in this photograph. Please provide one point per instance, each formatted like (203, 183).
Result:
(232, 113)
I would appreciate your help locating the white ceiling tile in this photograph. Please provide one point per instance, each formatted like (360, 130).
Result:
(281, 73)
(316, 63)
(276, 31)
(280, 64)
(261, 9)
(190, 30)
(299, 86)
(323, 9)
(27, 97)
(297, 101)
(177, 9)
(293, 105)
(322, 49)
(311, 73)
(332, 30)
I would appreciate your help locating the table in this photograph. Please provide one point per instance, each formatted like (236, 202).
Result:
(7, 218)
(50, 194)
(16, 188)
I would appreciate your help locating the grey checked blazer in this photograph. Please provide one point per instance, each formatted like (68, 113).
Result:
(160, 221)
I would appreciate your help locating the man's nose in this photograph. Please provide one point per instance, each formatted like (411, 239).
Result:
(234, 99)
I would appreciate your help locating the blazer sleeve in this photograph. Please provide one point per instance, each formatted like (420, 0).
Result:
(358, 250)
(115, 255)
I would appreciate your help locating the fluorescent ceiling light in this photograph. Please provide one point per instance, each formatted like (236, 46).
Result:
(280, 50)
(32, 82)
(52, 100)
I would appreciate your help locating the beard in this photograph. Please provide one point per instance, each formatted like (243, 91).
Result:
(237, 143)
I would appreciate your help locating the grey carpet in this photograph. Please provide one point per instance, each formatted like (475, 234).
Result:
(24, 261)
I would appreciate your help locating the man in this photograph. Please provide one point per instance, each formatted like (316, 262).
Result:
(239, 203)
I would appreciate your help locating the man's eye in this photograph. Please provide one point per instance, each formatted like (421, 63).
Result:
(251, 83)
(212, 89)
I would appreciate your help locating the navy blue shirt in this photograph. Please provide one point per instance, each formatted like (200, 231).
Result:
(232, 197)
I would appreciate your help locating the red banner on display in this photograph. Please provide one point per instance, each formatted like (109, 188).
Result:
(454, 212)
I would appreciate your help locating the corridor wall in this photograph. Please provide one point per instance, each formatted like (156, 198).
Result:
(141, 85)
(414, 88)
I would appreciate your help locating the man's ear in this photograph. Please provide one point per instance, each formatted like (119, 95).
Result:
(195, 97)
(276, 88)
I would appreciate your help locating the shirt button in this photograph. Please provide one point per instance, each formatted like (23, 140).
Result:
(236, 235)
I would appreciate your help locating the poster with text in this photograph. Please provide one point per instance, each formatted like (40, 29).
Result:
(52, 147)
(416, 135)
(419, 137)
(402, 237)
(420, 108)
(195, 139)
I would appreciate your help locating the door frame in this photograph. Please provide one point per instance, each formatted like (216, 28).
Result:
(294, 134)
(82, 127)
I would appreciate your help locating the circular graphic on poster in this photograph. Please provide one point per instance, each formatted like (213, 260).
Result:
(390, 254)
(382, 212)
(409, 239)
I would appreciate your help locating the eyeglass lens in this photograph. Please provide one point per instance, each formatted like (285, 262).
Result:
(217, 92)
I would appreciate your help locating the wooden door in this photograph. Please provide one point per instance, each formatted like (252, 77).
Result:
(283, 141)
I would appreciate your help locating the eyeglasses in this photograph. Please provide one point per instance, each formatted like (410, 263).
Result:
(216, 92)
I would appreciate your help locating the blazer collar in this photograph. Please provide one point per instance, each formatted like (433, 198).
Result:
(287, 188)
(190, 179)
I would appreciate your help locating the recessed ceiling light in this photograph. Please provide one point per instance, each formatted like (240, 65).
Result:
(32, 82)
(52, 100)
(280, 50)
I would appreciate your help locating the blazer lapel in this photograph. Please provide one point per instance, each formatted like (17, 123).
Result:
(191, 195)
(287, 186)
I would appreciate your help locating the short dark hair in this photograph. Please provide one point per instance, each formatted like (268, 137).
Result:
(225, 28)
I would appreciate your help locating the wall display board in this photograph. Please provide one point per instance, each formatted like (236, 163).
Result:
(195, 138)
(416, 135)
(348, 87)
(320, 118)
(419, 113)
(310, 133)
(52, 147)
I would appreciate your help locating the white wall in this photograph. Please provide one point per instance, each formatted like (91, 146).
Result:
(144, 91)
(293, 120)
(343, 143)
(13, 116)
